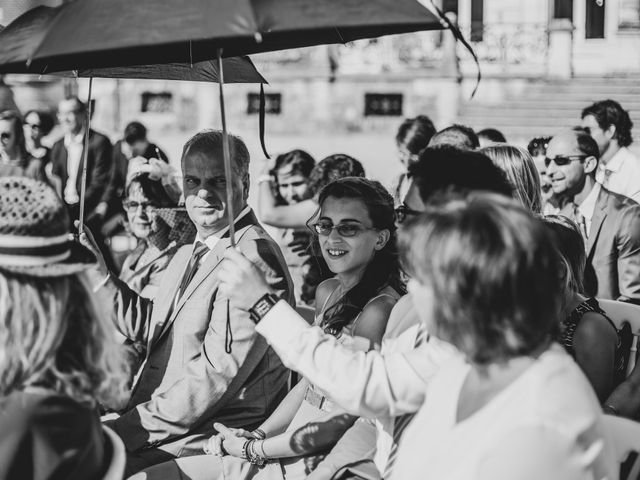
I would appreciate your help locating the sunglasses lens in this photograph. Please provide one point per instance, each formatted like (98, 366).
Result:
(322, 228)
(347, 230)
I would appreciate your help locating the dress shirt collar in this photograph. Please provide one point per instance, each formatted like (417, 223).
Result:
(617, 161)
(588, 206)
(75, 139)
(212, 240)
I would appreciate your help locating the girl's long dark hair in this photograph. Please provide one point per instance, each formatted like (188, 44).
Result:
(384, 269)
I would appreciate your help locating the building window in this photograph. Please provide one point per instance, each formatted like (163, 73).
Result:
(272, 103)
(477, 20)
(594, 21)
(629, 14)
(563, 9)
(383, 104)
(160, 102)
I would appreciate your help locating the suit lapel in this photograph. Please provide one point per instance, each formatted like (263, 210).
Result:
(207, 268)
(599, 214)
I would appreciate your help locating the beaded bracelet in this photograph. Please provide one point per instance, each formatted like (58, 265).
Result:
(259, 434)
(253, 456)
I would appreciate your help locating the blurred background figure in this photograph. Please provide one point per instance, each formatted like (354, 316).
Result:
(521, 173)
(59, 361)
(586, 332)
(537, 148)
(15, 160)
(289, 180)
(490, 136)
(610, 126)
(295, 216)
(413, 135)
(66, 157)
(458, 136)
(37, 125)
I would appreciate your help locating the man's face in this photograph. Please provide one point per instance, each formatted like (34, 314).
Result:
(70, 117)
(139, 147)
(602, 137)
(205, 191)
(567, 179)
(292, 186)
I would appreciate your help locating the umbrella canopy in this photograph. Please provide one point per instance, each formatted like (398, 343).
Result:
(20, 40)
(99, 33)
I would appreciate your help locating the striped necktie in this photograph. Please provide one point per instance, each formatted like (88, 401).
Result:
(199, 251)
(402, 421)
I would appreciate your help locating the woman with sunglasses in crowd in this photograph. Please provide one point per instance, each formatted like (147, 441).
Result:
(355, 226)
(14, 158)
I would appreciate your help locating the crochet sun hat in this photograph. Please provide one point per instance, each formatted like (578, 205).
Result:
(34, 231)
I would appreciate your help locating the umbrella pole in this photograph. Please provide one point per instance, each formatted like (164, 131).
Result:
(85, 154)
(225, 153)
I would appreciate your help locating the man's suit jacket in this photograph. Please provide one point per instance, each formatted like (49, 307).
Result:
(188, 379)
(613, 249)
(99, 168)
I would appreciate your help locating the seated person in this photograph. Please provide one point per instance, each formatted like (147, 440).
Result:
(204, 363)
(515, 405)
(586, 332)
(356, 231)
(59, 360)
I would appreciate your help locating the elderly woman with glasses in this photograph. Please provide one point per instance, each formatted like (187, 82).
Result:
(15, 160)
(154, 219)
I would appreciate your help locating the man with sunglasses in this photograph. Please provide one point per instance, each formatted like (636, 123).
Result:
(377, 385)
(609, 222)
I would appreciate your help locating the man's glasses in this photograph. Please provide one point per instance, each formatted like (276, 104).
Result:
(402, 212)
(563, 160)
(324, 228)
(132, 206)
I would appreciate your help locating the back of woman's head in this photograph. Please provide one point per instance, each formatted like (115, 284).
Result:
(414, 134)
(53, 336)
(521, 172)
(332, 168)
(384, 268)
(570, 246)
(493, 271)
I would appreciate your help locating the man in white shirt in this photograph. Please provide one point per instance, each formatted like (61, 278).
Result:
(610, 126)
(609, 222)
(66, 160)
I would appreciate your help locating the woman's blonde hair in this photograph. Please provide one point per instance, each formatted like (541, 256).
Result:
(521, 172)
(54, 336)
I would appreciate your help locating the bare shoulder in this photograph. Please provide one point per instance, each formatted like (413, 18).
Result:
(324, 290)
(594, 327)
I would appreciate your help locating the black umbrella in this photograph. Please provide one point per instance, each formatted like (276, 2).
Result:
(99, 33)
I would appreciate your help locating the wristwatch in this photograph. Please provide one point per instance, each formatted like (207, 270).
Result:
(262, 306)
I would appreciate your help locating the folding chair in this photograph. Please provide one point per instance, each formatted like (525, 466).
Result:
(625, 435)
(621, 313)
(119, 457)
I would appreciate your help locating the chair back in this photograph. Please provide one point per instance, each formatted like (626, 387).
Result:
(622, 313)
(118, 456)
(625, 437)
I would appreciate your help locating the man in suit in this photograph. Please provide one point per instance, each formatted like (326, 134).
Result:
(204, 361)
(66, 159)
(609, 222)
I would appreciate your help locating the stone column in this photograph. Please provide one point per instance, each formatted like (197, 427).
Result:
(560, 57)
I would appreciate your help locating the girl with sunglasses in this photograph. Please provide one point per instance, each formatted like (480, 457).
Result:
(356, 235)
(14, 158)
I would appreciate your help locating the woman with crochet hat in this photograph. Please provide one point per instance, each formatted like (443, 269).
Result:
(58, 357)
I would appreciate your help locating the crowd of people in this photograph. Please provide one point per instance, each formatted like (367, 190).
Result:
(447, 326)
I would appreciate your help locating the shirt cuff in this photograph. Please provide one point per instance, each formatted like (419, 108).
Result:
(282, 325)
